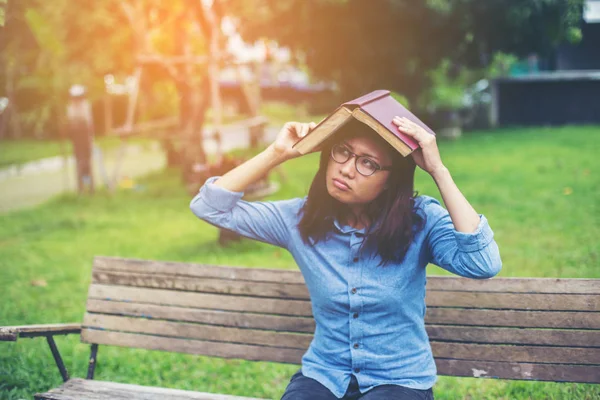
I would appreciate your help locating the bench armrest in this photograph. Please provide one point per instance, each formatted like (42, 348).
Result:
(12, 333)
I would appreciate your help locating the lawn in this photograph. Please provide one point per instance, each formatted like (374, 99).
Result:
(539, 188)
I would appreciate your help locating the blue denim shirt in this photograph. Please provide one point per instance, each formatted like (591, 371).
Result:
(369, 319)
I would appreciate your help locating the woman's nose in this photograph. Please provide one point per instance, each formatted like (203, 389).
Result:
(347, 168)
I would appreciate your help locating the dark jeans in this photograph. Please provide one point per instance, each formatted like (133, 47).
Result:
(303, 388)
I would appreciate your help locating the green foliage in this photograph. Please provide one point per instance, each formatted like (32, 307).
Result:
(393, 44)
(400, 98)
(501, 64)
(445, 92)
(539, 188)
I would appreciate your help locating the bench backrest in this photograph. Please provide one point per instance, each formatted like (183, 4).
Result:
(509, 328)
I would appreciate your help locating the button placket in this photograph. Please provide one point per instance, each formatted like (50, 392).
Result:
(355, 300)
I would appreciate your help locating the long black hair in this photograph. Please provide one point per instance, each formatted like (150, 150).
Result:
(392, 219)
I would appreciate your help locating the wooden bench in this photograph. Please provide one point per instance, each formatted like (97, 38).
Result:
(505, 328)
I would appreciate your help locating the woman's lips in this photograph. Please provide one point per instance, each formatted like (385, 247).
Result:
(340, 184)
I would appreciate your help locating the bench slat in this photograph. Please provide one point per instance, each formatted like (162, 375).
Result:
(513, 318)
(225, 318)
(201, 300)
(196, 331)
(11, 333)
(525, 371)
(436, 316)
(192, 346)
(514, 285)
(512, 301)
(85, 389)
(434, 283)
(527, 354)
(243, 332)
(537, 337)
(542, 302)
(196, 270)
(206, 285)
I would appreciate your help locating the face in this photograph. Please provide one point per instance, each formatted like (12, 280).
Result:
(346, 184)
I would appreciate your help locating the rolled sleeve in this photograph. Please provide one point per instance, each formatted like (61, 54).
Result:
(471, 255)
(217, 197)
(477, 240)
(269, 221)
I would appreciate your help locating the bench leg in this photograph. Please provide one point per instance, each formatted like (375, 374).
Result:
(92, 365)
(57, 358)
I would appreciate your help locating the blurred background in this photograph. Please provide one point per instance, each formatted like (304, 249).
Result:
(114, 112)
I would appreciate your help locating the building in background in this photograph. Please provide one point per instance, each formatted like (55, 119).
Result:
(561, 90)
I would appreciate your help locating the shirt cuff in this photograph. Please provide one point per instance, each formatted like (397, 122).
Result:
(477, 240)
(217, 197)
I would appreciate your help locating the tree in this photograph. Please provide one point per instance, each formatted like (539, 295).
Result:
(393, 44)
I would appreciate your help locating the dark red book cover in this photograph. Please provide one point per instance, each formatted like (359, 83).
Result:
(380, 105)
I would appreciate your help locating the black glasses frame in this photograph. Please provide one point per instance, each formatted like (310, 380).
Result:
(357, 158)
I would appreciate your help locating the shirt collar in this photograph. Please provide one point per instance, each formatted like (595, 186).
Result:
(347, 229)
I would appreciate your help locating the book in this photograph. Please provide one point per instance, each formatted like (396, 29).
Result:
(376, 110)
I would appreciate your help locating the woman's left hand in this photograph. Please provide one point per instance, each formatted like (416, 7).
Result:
(427, 156)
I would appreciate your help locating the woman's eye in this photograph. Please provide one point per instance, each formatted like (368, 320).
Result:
(368, 163)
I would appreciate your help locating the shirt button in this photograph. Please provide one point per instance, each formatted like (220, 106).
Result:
(357, 370)
(353, 290)
(355, 259)
(355, 315)
(356, 345)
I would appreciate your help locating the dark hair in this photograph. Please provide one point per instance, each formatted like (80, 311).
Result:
(391, 216)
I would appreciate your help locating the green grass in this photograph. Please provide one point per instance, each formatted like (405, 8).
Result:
(539, 188)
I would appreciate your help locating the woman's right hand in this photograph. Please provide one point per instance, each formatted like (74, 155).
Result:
(288, 136)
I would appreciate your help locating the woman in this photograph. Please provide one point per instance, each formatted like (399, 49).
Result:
(362, 240)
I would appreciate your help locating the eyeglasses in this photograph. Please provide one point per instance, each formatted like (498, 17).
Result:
(364, 165)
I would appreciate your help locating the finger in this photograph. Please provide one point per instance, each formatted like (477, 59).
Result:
(412, 129)
(303, 130)
(296, 129)
(312, 126)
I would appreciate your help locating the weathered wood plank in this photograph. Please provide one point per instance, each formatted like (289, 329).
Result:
(538, 337)
(443, 283)
(201, 300)
(84, 389)
(223, 318)
(513, 318)
(542, 302)
(512, 301)
(197, 270)
(192, 346)
(38, 330)
(584, 338)
(182, 330)
(283, 289)
(519, 371)
(7, 334)
(206, 285)
(514, 285)
(526, 354)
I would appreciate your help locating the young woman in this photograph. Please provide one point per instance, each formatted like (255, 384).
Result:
(362, 240)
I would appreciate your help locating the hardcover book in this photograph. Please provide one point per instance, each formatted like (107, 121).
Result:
(376, 110)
